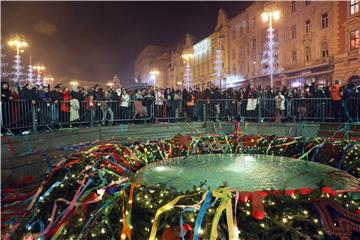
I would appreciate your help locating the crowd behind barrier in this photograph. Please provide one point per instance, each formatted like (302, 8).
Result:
(33, 108)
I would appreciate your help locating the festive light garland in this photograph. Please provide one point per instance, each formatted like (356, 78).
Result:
(89, 195)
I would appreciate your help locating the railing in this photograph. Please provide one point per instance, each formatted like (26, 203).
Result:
(22, 114)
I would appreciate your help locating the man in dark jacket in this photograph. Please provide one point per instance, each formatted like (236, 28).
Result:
(56, 98)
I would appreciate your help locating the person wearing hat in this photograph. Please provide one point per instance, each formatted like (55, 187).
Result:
(56, 98)
(336, 99)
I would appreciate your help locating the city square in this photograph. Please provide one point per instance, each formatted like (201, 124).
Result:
(180, 120)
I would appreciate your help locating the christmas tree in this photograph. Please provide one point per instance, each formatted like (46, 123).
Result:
(17, 76)
(4, 73)
(270, 55)
(116, 81)
(218, 66)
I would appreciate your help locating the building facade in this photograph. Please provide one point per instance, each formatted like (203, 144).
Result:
(313, 41)
(151, 65)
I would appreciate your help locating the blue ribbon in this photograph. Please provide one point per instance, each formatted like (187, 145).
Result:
(340, 161)
(42, 227)
(182, 221)
(122, 127)
(206, 204)
(317, 150)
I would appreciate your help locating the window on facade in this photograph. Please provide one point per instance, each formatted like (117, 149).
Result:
(354, 6)
(293, 6)
(293, 57)
(354, 40)
(254, 44)
(324, 50)
(234, 35)
(276, 35)
(222, 47)
(324, 20)
(307, 3)
(233, 54)
(212, 51)
(234, 69)
(254, 22)
(223, 65)
(293, 31)
(307, 26)
(307, 54)
(241, 31)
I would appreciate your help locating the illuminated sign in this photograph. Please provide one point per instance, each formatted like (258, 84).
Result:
(202, 47)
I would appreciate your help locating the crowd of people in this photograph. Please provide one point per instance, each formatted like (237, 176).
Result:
(63, 106)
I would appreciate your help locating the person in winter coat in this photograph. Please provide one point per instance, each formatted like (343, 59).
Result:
(5, 105)
(124, 105)
(90, 105)
(65, 106)
(190, 103)
(15, 105)
(74, 110)
(56, 98)
(336, 99)
(106, 109)
(279, 107)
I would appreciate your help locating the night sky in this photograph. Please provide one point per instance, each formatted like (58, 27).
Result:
(94, 40)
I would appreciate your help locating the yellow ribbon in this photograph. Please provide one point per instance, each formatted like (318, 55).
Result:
(164, 208)
(225, 203)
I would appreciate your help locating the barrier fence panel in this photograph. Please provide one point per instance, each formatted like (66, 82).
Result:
(314, 109)
(17, 114)
(130, 111)
(170, 110)
(21, 114)
(352, 109)
(249, 109)
(219, 109)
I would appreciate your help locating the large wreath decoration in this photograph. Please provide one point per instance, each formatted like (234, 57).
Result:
(90, 195)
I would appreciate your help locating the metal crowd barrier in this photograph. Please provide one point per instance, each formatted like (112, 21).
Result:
(219, 109)
(169, 110)
(313, 109)
(21, 114)
(352, 109)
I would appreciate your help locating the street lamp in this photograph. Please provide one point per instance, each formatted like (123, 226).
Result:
(110, 84)
(18, 43)
(39, 68)
(153, 75)
(73, 83)
(187, 58)
(47, 80)
(268, 16)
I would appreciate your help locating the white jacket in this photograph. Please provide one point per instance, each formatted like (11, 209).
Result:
(125, 100)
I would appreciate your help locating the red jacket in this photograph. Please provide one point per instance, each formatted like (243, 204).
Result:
(65, 105)
(87, 103)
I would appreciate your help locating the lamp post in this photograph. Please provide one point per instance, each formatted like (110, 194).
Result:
(74, 83)
(269, 16)
(39, 68)
(18, 43)
(48, 79)
(187, 79)
(153, 75)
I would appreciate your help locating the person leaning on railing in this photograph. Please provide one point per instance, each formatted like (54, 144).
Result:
(5, 105)
(44, 105)
(190, 103)
(177, 103)
(28, 94)
(336, 99)
(56, 98)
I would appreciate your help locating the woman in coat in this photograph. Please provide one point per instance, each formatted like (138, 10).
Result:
(65, 106)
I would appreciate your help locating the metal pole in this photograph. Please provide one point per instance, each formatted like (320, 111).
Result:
(34, 119)
(271, 50)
